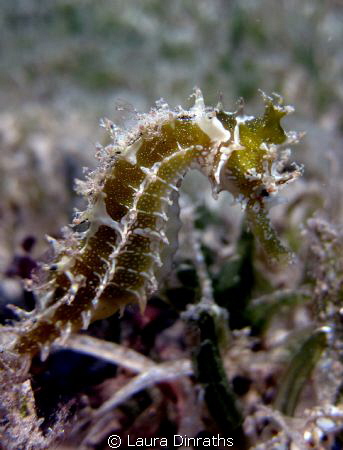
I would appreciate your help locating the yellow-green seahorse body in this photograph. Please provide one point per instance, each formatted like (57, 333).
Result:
(117, 260)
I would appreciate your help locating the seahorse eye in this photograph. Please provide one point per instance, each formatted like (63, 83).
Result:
(264, 192)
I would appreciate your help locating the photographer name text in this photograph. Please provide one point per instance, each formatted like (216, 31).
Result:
(115, 441)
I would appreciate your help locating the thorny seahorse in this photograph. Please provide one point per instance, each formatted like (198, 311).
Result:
(116, 261)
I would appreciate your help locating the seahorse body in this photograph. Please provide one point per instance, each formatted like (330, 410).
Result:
(116, 261)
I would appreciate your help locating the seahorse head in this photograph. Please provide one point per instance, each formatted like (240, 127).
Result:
(253, 164)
